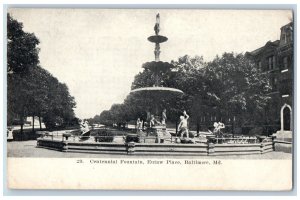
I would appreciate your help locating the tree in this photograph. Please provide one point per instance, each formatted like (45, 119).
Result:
(59, 110)
(190, 79)
(183, 76)
(22, 50)
(229, 87)
(22, 55)
(32, 90)
(106, 118)
(236, 87)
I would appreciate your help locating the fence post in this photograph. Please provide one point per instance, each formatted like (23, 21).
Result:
(38, 143)
(262, 147)
(273, 142)
(64, 146)
(130, 147)
(210, 149)
(210, 146)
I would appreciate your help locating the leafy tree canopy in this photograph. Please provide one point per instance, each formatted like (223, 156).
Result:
(32, 90)
(228, 87)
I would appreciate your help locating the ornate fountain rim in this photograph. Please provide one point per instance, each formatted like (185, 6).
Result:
(158, 88)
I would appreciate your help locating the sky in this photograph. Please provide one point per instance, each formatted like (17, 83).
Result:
(97, 52)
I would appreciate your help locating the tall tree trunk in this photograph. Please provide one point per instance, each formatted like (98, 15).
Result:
(22, 123)
(176, 124)
(40, 121)
(33, 123)
(232, 128)
(21, 128)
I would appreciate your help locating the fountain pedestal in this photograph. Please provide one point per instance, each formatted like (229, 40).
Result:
(161, 133)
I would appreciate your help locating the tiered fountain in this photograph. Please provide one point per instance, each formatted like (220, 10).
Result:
(156, 92)
(155, 98)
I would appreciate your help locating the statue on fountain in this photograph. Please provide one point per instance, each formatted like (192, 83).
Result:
(153, 122)
(156, 27)
(84, 130)
(183, 125)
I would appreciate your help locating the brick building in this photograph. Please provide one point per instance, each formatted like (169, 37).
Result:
(276, 60)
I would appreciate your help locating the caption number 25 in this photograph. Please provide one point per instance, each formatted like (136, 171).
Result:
(79, 161)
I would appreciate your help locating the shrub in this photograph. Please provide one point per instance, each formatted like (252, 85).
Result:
(26, 135)
(132, 138)
(104, 136)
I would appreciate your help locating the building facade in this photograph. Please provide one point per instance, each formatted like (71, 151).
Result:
(276, 59)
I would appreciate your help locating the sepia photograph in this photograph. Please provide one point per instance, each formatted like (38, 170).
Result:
(203, 94)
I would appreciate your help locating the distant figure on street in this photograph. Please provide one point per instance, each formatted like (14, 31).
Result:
(183, 125)
(10, 134)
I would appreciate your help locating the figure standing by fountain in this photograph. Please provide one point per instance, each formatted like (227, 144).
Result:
(183, 125)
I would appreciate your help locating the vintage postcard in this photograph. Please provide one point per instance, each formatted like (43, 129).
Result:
(150, 99)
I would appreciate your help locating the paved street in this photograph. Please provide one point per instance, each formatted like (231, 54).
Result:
(28, 149)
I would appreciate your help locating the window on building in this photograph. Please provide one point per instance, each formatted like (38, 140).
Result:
(271, 62)
(289, 34)
(259, 65)
(284, 36)
(285, 62)
(274, 62)
(274, 83)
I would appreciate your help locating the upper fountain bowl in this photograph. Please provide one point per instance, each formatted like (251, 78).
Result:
(157, 38)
